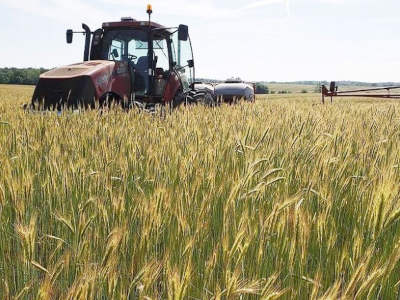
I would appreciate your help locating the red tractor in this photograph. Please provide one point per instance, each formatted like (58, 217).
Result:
(126, 62)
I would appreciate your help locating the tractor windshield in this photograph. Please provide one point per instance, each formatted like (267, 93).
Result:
(132, 45)
(124, 44)
(129, 45)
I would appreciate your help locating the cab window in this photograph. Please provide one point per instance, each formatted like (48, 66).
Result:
(117, 46)
(161, 54)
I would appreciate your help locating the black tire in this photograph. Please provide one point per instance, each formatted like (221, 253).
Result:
(179, 99)
(206, 98)
(110, 99)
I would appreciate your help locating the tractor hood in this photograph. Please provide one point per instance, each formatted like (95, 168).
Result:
(90, 68)
(73, 85)
(233, 89)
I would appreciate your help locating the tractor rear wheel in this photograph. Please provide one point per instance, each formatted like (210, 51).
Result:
(194, 97)
(206, 99)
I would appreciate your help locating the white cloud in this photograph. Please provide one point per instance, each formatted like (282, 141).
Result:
(246, 38)
(59, 10)
(262, 3)
(201, 8)
(74, 10)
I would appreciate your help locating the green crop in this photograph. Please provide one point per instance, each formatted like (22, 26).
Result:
(281, 199)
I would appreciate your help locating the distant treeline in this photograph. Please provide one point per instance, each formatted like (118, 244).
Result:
(261, 88)
(28, 76)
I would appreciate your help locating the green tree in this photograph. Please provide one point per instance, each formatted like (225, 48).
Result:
(261, 88)
(20, 76)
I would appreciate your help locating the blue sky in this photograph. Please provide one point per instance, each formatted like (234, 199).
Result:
(282, 40)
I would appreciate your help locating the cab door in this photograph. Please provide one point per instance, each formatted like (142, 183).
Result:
(183, 61)
(121, 80)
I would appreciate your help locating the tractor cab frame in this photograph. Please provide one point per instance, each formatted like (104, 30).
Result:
(153, 63)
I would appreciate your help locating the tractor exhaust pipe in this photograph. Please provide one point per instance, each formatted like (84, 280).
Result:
(87, 33)
(87, 42)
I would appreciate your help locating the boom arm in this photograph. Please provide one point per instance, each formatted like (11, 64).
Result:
(365, 93)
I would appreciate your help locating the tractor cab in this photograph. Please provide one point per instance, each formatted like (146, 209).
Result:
(152, 56)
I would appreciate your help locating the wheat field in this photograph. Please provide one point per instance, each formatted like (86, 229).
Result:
(281, 199)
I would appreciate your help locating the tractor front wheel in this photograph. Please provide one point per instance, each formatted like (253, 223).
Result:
(179, 99)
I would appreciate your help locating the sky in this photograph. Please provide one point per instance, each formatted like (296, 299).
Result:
(259, 40)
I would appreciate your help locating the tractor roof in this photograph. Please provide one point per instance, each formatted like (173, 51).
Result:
(131, 23)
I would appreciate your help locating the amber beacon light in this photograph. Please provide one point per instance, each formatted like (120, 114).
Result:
(149, 9)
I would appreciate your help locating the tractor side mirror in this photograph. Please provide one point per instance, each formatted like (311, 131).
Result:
(70, 34)
(115, 53)
(183, 32)
(190, 63)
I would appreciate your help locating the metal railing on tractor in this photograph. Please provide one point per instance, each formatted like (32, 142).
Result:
(365, 93)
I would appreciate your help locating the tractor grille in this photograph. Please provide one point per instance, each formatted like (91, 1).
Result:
(58, 93)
